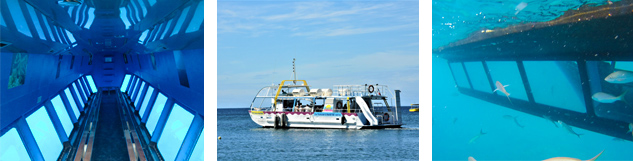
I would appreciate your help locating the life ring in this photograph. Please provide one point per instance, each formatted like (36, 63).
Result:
(339, 105)
(386, 117)
(370, 89)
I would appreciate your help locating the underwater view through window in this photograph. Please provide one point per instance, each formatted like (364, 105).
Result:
(532, 80)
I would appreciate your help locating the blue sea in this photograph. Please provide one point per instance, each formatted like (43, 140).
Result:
(459, 119)
(242, 139)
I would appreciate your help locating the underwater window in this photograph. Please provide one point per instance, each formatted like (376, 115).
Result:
(125, 82)
(507, 73)
(18, 17)
(198, 17)
(36, 22)
(91, 83)
(139, 94)
(48, 28)
(81, 89)
(84, 85)
(198, 150)
(62, 114)
(167, 27)
(18, 70)
(174, 132)
(155, 112)
(60, 36)
(72, 103)
(624, 65)
(71, 37)
(459, 74)
(44, 134)
(143, 36)
(142, 6)
(556, 83)
(91, 17)
(135, 12)
(77, 12)
(133, 86)
(81, 101)
(148, 95)
(123, 16)
(477, 75)
(183, 17)
(12, 146)
(151, 2)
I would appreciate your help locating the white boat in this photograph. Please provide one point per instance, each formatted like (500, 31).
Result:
(342, 107)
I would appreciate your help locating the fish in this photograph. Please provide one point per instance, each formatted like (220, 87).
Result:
(568, 128)
(572, 159)
(607, 98)
(502, 88)
(470, 158)
(481, 132)
(513, 118)
(620, 77)
(520, 7)
(550, 119)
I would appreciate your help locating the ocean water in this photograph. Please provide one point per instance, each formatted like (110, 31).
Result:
(242, 139)
(458, 119)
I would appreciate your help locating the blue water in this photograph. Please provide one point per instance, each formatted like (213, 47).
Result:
(242, 139)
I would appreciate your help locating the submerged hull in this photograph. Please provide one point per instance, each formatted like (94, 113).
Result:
(331, 120)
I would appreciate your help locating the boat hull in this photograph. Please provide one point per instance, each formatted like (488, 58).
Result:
(316, 120)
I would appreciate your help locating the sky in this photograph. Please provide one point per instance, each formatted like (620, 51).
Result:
(334, 43)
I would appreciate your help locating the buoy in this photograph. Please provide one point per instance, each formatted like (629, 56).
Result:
(219, 138)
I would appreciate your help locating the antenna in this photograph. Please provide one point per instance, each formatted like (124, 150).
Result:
(294, 71)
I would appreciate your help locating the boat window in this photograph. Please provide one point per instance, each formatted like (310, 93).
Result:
(81, 89)
(12, 146)
(48, 28)
(133, 87)
(125, 82)
(459, 75)
(174, 132)
(124, 17)
(624, 65)
(70, 10)
(155, 113)
(597, 72)
(198, 17)
(135, 12)
(44, 134)
(562, 81)
(79, 96)
(143, 36)
(151, 2)
(136, 89)
(167, 27)
(183, 17)
(71, 37)
(198, 150)
(507, 73)
(478, 76)
(60, 37)
(91, 17)
(152, 34)
(72, 103)
(62, 114)
(80, 9)
(36, 22)
(142, 6)
(180, 66)
(18, 17)
(84, 85)
(148, 95)
(17, 75)
(139, 94)
(158, 32)
(91, 83)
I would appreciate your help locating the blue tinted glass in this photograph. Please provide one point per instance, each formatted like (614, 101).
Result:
(91, 17)
(60, 37)
(82, 90)
(91, 83)
(174, 132)
(148, 95)
(18, 17)
(47, 27)
(139, 94)
(151, 2)
(71, 101)
(71, 36)
(70, 10)
(158, 32)
(123, 16)
(197, 19)
(135, 11)
(81, 101)
(155, 112)
(198, 150)
(44, 134)
(166, 29)
(62, 114)
(36, 22)
(142, 6)
(143, 36)
(12, 147)
(125, 82)
(181, 20)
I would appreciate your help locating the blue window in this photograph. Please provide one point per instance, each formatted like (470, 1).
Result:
(50, 32)
(62, 114)
(148, 95)
(143, 36)
(71, 101)
(138, 94)
(198, 17)
(78, 16)
(125, 82)
(81, 101)
(70, 11)
(91, 83)
(198, 150)
(156, 34)
(44, 134)
(167, 27)
(18, 17)
(71, 37)
(155, 112)
(174, 132)
(151, 2)
(142, 6)
(36, 22)
(91, 17)
(60, 37)
(123, 16)
(135, 12)
(12, 146)
(181, 20)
